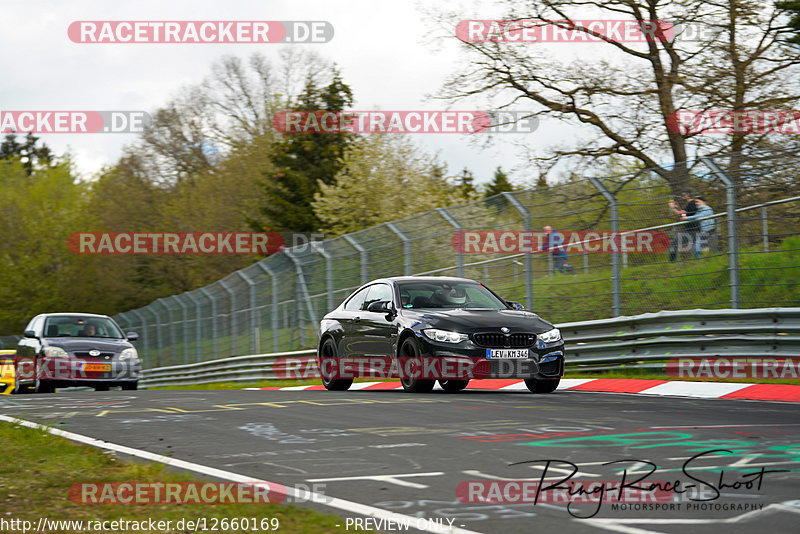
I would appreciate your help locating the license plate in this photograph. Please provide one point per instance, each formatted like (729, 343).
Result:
(506, 354)
(101, 367)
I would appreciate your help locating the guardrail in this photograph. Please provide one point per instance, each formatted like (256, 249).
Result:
(642, 339)
(234, 369)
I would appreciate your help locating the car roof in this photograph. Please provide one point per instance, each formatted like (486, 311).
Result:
(426, 279)
(65, 314)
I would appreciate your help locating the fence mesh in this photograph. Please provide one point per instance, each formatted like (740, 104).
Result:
(749, 260)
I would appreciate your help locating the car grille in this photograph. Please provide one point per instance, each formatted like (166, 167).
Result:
(105, 355)
(499, 341)
(551, 368)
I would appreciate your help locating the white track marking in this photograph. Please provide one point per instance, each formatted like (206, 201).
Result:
(567, 383)
(340, 504)
(362, 385)
(709, 390)
(393, 479)
(519, 386)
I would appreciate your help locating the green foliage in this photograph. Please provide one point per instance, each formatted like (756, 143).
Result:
(466, 184)
(384, 177)
(29, 153)
(499, 184)
(37, 214)
(302, 162)
(767, 280)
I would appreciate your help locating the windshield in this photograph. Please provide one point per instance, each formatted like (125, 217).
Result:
(450, 295)
(81, 326)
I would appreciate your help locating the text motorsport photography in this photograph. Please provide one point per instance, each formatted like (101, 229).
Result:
(696, 487)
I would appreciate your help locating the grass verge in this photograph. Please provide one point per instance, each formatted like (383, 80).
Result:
(39, 469)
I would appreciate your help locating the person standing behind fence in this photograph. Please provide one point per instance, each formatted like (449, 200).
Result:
(706, 237)
(690, 232)
(553, 244)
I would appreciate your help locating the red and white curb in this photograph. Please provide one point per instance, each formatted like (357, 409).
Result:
(667, 388)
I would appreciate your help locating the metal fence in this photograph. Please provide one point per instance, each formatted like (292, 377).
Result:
(754, 261)
(642, 341)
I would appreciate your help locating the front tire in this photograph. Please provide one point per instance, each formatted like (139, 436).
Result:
(411, 364)
(129, 386)
(451, 386)
(44, 386)
(19, 389)
(327, 353)
(542, 386)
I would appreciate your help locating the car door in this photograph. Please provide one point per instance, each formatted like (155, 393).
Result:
(349, 318)
(377, 330)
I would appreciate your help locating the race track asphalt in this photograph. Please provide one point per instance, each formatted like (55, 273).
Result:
(410, 453)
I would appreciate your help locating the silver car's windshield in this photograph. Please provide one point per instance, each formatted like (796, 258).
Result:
(450, 295)
(81, 326)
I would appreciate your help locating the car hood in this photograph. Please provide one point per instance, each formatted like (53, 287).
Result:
(466, 320)
(85, 344)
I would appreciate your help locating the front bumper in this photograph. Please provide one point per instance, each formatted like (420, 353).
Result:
(437, 363)
(77, 372)
(451, 365)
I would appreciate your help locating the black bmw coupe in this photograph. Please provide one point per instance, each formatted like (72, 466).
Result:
(422, 329)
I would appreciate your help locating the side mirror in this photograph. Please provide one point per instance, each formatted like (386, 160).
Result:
(380, 306)
(29, 333)
(132, 336)
(515, 305)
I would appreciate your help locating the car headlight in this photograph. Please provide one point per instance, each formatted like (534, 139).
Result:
(55, 352)
(551, 335)
(445, 336)
(129, 354)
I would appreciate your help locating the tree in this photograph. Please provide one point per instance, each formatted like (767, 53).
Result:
(625, 97)
(466, 183)
(304, 161)
(792, 8)
(231, 108)
(28, 152)
(499, 184)
(384, 177)
(38, 211)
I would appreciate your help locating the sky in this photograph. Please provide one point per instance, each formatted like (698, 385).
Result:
(386, 50)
